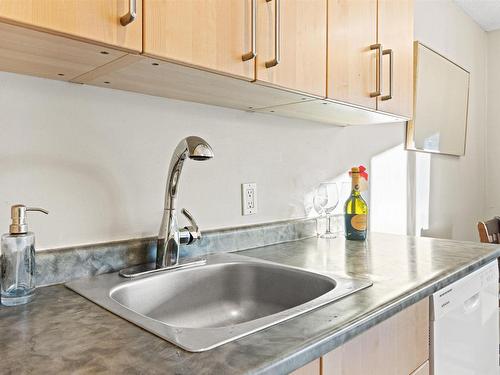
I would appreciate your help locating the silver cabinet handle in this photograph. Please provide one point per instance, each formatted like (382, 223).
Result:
(250, 55)
(131, 15)
(277, 35)
(391, 73)
(378, 88)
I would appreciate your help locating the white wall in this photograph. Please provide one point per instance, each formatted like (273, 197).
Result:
(97, 158)
(493, 134)
(388, 191)
(457, 185)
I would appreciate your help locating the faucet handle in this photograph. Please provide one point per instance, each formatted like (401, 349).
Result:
(193, 229)
(190, 218)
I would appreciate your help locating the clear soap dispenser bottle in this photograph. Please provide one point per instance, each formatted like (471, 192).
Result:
(17, 259)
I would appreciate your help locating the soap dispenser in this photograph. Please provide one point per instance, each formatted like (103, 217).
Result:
(17, 259)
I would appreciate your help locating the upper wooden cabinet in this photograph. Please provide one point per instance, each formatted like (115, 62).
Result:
(291, 45)
(351, 63)
(395, 33)
(32, 52)
(211, 34)
(370, 56)
(94, 20)
(304, 58)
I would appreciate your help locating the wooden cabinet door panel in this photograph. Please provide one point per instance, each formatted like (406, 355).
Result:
(95, 20)
(395, 32)
(423, 370)
(302, 39)
(352, 29)
(27, 51)
(397, 346)
(312, 368)
(211, 34)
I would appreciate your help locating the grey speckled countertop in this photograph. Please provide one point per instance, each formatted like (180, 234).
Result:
(61, 332)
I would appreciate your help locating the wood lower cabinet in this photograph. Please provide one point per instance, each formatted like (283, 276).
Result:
(425, 369)
(211, 34)
(396, 346)
(93, 20)
(312, 368)
(291, 45)
(395, 33)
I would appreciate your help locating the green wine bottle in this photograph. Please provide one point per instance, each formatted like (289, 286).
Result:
(355, 211)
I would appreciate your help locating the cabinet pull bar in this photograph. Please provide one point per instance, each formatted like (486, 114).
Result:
(131, 15)
(378, 87)
(277, 35)
(250, 55)
(391, 73)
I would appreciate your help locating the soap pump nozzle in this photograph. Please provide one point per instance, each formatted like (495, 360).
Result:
(19, 224)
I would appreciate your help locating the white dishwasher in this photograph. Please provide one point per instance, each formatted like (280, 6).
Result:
(464, 325)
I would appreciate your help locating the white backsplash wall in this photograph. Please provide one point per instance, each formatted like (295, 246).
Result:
(97, 159)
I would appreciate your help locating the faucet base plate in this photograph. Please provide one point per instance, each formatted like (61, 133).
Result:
(149, 268)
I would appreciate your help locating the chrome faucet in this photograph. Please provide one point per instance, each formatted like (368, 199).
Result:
(170, 235)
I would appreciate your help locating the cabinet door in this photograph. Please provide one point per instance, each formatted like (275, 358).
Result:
(395, 32)
(291, 44)
(352, 29)
(397, 346)
(95, 20)
(210, 34)
(312, 368)
(422, 370)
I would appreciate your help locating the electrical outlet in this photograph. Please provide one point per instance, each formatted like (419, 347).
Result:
(249, 198)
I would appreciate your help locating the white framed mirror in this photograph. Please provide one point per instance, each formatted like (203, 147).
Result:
(440, 109)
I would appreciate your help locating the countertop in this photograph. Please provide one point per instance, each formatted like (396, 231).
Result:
(62, 332)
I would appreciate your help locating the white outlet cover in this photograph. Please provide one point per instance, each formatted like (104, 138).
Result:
(249, 198)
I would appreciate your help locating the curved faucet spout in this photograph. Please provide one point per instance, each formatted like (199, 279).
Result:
(195, 148)
(170, 236)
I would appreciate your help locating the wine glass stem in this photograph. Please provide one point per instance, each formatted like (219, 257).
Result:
(328, 223)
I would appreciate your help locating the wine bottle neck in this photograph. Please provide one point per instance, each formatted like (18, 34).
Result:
(355, 184)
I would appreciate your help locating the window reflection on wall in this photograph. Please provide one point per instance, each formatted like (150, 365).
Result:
(388, 191)
(398, 194)
(420, 179)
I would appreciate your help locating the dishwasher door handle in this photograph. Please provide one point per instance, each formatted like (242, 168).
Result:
(472, 303)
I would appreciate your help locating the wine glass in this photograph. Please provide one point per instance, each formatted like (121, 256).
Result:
(319, 203)
(326, 199)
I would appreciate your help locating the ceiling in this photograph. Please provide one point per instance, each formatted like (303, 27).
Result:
(485, 12)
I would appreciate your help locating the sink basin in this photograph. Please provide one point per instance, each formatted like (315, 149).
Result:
(230, 296)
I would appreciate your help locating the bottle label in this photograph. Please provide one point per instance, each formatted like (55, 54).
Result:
(358, 222)
(355, 227)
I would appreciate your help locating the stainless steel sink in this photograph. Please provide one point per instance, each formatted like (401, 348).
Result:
(230, 296)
